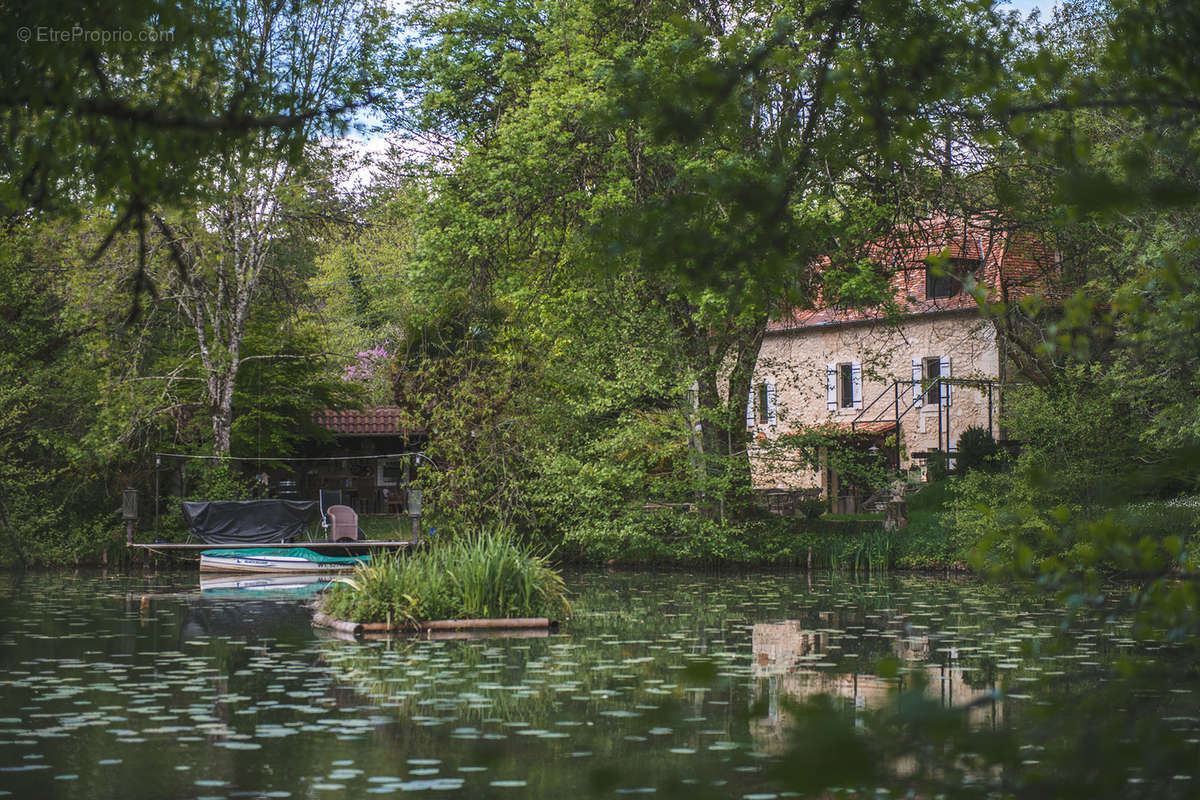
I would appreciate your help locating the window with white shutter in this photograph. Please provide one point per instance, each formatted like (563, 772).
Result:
(845, 379)
(934, 376)
(848, 385)
(831, 386)
(933, 371)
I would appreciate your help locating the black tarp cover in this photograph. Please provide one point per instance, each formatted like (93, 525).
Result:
(249, 521)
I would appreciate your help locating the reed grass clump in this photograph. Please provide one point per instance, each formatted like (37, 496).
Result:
(484, 575)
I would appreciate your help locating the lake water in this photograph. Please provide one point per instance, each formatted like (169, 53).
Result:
(667, 684)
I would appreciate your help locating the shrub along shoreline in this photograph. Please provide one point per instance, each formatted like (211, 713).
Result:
(858, 545)
(951, 527)
(668, 538)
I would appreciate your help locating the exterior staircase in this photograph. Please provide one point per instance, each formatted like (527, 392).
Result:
(877, 503)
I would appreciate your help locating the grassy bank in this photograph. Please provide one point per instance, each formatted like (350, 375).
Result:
(488, 574)
(931, 539)
(845, 541)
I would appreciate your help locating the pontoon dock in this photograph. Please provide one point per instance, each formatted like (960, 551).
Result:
(361, 544)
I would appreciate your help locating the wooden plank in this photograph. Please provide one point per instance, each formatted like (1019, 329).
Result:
(368, 544)
(463, 624)
(510, 622)
(488, 633)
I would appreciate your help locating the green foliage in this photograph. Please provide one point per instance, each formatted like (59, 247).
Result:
(92, 396)
(288, 377)
(811, 507)
(937, 465)
(364, 294)
(195, 124)
(647, 536)
(832, 446)
(932, 496)
(1155, 372)
(668, 536)
(1078, 445)
(930, 541)
(212, 479)
(144, 126)
(470, 401)
(711, 165)
(1176, 519)
(933, 537)
(976, 450)
(56, 504)
(486, 574)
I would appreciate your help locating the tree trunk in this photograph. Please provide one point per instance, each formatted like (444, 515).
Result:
(730, 352)
(216, 291)
(222, 412)
(747, 343)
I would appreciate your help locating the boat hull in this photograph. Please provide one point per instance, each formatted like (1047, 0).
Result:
(242, 585)
(267, 564)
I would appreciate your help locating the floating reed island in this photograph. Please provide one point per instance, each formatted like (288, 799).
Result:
(487, 580)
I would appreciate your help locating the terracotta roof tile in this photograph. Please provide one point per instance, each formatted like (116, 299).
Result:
(1010, 265)
(382, 421)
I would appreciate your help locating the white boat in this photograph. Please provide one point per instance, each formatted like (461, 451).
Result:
(266, 584)
(265, 559)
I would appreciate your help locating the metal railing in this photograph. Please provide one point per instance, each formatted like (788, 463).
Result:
(897, 413)
(939, 388)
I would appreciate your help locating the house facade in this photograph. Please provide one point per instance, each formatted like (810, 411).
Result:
(928, 366)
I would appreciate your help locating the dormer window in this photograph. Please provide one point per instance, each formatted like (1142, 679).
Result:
(946, 279)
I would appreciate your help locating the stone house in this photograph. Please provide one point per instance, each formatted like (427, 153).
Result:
(928, 365)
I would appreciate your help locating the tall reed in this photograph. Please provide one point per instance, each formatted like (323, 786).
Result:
(488, 574)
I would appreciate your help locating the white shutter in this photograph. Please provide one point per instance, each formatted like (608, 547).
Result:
(856, 387)
(944, 368)
(772, 417)
(831, 387)
(750, 409)
(916, 377)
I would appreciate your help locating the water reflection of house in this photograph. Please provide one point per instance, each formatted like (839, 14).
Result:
(783, 643)
(786, 657)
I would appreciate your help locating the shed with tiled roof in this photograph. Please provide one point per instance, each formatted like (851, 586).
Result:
(380, 421)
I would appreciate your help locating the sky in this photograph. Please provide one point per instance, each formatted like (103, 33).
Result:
(373, 147)
(1026, 6)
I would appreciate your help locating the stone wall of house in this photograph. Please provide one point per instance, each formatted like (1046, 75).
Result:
(794, 362)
